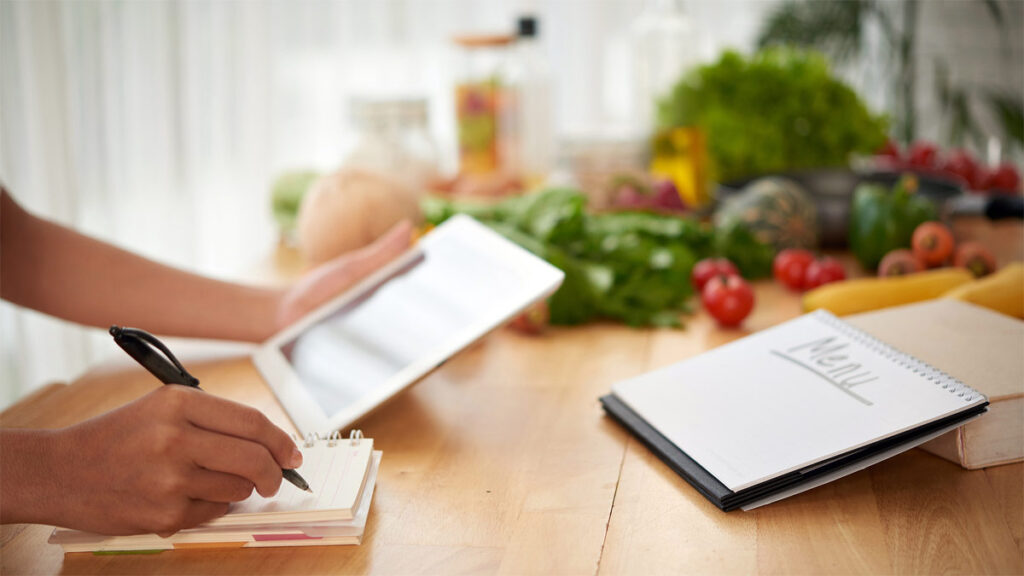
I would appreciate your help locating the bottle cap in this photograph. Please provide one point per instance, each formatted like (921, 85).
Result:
(527, 27)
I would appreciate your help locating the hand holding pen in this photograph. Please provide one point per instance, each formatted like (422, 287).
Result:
(170, 460)
(146, 349)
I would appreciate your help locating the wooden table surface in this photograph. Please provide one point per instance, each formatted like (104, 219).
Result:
(503, 462)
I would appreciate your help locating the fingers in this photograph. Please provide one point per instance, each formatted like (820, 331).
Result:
(212, 486)
(235, 456)
(194, 513)
(234, 419)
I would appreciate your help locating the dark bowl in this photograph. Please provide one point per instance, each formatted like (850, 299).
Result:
(832, 190)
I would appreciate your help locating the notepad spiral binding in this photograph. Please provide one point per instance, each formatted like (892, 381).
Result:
(332, 439)
(950, 383)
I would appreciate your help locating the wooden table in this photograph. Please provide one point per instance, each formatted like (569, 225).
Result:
(503, 462)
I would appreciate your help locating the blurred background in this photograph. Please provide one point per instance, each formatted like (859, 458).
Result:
(166, 127)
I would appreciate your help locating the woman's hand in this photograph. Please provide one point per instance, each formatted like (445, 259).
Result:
(334, 277)
(170, 460)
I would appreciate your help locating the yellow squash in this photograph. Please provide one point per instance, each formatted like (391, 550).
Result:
(866, 294)
(1002, 291)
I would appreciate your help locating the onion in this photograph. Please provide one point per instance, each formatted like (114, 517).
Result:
(349, 209)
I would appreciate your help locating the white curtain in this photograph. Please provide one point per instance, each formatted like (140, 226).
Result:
(159, 126)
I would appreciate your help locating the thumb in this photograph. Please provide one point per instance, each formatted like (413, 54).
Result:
(384, 249)
(340, 274)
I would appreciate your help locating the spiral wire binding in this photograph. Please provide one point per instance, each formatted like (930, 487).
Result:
(332, 439)
(929, 372)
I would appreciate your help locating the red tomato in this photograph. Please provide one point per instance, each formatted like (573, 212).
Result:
(932, 243)
(961, 164)
(790, 267)
(728, 298)
(923, 155)
(975, 257)
(1004, 178)
(822, 272)
(708, 268)
(890, 150)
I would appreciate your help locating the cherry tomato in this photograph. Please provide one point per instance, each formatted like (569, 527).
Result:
(534, 320)
(923, 155)
(899, 263)
(975, 257)
(961, 164)
(823, 271)
(790, 267)
(728, 298)
(708, 268)
(890, 150)
(1004, 178)
(932, 243)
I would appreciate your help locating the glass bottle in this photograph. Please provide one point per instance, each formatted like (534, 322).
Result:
(483, 108)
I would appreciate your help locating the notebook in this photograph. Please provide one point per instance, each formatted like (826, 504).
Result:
(789, 408)
(342, 474)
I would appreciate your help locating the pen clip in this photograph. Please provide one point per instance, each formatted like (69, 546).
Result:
(130, 339)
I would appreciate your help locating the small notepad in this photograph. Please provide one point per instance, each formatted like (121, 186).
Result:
(335, 469)
(340, 471)
(787, 406)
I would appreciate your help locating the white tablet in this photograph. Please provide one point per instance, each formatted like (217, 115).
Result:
(344, 359)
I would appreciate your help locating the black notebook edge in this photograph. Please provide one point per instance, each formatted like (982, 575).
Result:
(669, 453)
(724, 498)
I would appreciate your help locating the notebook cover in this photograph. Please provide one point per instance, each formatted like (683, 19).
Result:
(719, 495)
(976, 345)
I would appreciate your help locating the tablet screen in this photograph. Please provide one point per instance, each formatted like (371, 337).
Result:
(422, 309)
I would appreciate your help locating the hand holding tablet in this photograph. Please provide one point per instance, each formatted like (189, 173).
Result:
(350, 355)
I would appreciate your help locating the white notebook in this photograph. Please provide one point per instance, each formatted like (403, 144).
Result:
(805, 393)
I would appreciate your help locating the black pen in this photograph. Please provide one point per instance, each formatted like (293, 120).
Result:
(144, 347)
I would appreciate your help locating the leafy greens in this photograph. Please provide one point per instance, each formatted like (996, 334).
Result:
(632, 267)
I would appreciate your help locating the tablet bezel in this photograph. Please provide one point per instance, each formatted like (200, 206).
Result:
(306, 413)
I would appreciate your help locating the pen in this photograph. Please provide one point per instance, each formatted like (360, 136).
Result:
(146, 348)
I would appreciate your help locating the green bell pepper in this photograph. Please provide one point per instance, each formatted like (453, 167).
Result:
(881, 221)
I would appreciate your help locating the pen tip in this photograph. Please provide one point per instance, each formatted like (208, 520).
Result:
(310, 490)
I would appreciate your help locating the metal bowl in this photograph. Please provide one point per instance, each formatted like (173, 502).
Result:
(832, 190)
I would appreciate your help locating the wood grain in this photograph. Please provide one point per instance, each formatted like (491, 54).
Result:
(502, 462)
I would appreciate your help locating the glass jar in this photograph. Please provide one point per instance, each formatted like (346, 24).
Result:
(393, 138)
(484, 110)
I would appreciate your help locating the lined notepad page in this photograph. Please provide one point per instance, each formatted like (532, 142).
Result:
(335, 471)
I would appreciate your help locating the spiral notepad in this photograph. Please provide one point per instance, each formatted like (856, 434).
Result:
(341, 472)
(335, 469)
(786, 406)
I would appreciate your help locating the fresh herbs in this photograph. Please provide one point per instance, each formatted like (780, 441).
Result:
(633, 267)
